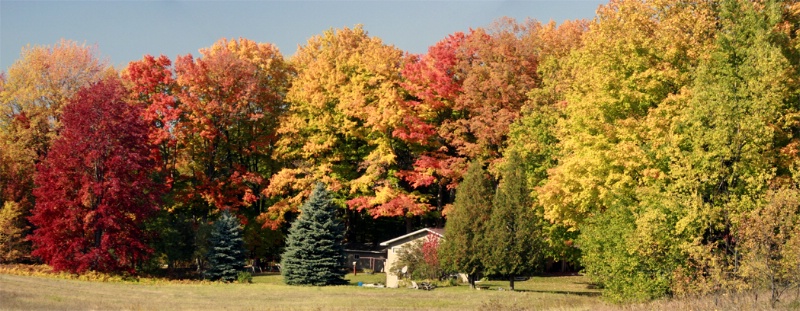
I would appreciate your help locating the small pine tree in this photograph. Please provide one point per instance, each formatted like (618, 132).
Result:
(314, 254)
(226, 255)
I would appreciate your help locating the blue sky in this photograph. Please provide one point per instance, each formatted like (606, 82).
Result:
(126, 30)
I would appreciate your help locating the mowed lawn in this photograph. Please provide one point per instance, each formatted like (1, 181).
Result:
(269, 293)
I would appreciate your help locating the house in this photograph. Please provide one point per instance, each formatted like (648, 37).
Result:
(393, 247)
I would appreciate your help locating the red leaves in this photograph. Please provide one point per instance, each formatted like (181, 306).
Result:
(231, 99)
(151, 83)
(93, 189)
(430, 250)
(466, 92)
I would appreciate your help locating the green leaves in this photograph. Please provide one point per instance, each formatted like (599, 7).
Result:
(465, 228)
(515, 240)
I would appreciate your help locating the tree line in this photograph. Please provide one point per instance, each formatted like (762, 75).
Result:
(658, 145)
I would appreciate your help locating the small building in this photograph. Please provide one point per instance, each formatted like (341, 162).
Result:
(393, 247)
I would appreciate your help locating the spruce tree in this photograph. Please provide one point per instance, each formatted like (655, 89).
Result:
(314, 253)
(464, 230)
(226, 255)
(514, 228)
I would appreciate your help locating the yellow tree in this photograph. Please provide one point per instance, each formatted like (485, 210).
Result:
(626, 82)
(32, 96)
(343, 110)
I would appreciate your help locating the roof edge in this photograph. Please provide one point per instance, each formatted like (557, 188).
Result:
(431, 230)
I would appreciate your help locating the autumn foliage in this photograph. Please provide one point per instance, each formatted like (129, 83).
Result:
(93, 190)
(656, 146)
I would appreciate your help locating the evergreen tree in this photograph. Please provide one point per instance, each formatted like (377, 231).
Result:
(514, 228)
(461, 251)
(314, 253)
(226, 255)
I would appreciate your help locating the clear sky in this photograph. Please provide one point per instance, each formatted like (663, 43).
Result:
(126, 30)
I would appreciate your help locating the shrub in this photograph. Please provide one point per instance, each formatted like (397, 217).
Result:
(244, 277)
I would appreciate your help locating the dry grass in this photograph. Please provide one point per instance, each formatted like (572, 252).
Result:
(268, 293)
(741, 302)
(18, 292)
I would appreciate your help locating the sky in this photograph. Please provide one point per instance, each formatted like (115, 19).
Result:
(124, 31)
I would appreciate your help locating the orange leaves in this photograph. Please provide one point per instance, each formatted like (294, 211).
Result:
(231, 98)
(344, 108)
(465, 93)
(213, 119)
(151, 84)
(39, 84)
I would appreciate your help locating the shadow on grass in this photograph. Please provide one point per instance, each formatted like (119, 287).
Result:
(562, 292)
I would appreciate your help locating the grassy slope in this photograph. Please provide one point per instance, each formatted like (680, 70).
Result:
(268, 293)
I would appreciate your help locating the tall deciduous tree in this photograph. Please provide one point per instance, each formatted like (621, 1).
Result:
(314, 253)
(344, 108)
(626, 83)
(230, 100)
(515, 241)
(32, 97)
(93, 188)
(533, 136)
(465, 246)
(465, 93)
(730, 132)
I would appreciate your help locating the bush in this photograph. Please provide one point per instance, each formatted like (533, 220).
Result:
(244, 277)
(421, 259)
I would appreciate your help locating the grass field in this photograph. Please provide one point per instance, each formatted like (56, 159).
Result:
(269, 293)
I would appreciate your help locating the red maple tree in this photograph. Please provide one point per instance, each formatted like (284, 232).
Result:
(93, 188)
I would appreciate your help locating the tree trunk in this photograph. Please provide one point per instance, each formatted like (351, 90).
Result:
(471, 278)
(511, 282)
(98, 237)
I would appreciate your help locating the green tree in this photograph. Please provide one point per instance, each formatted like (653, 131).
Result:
(625, 84)
(173, 238)
(314, 254)
(226, 253)
(729, 135)
(462, 250)
(515, 227)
